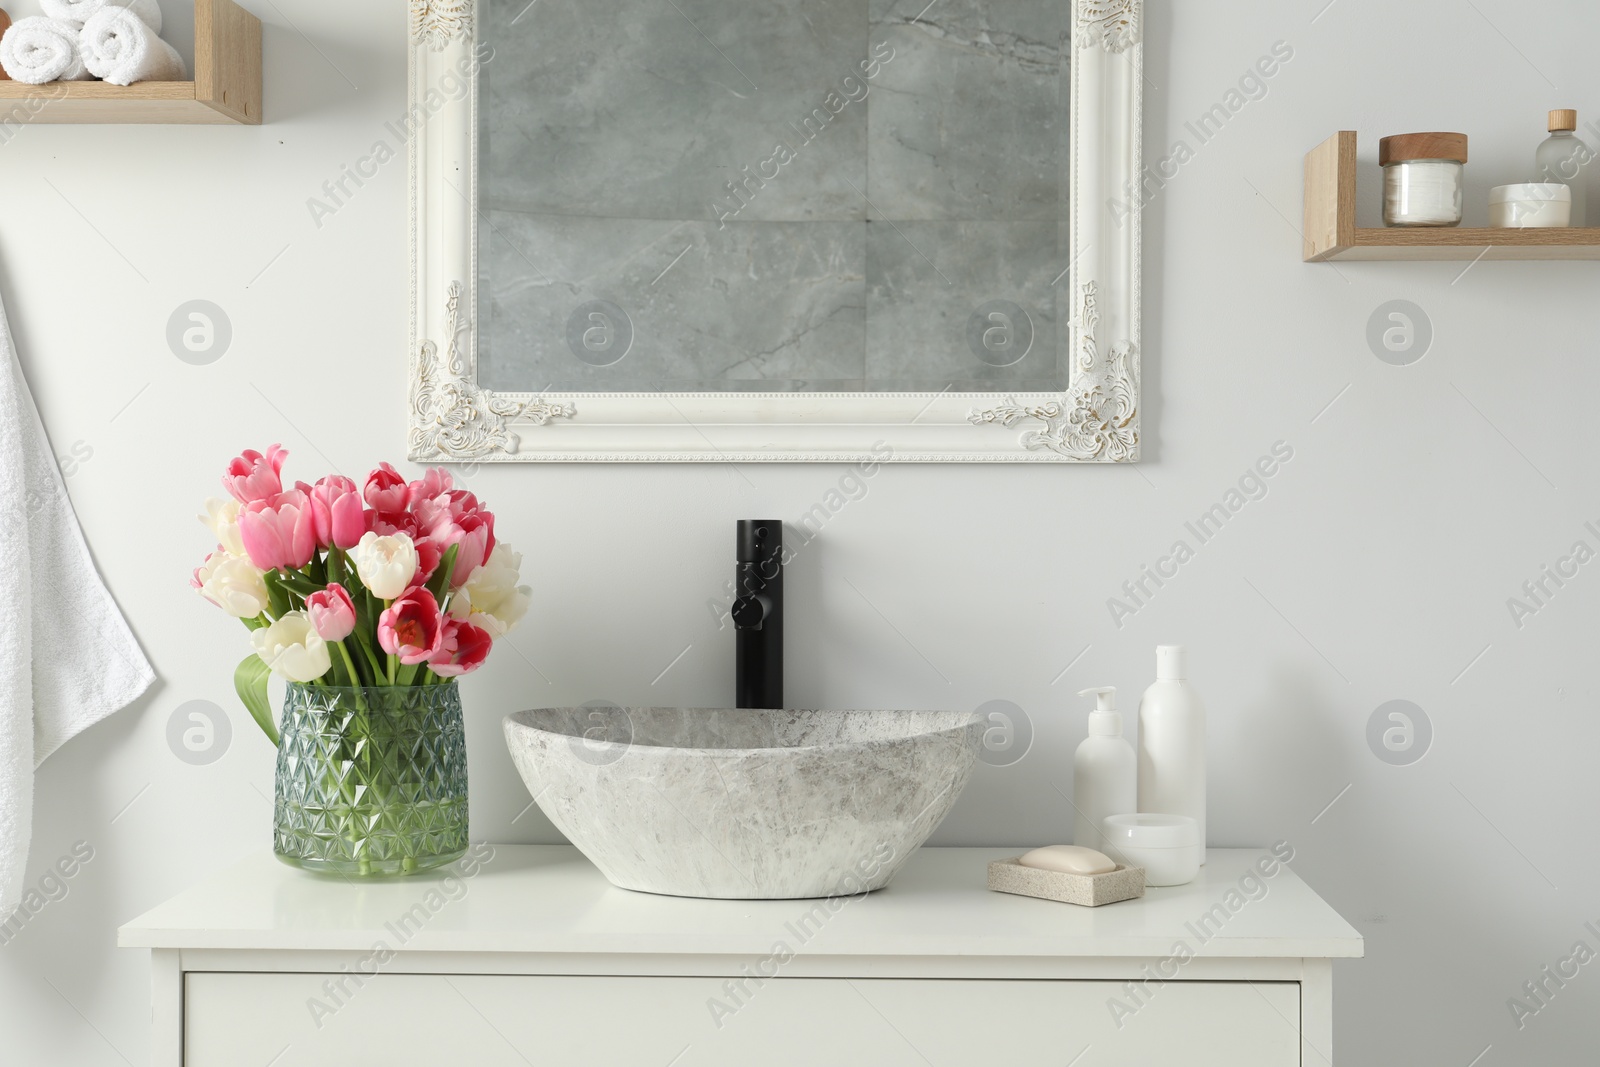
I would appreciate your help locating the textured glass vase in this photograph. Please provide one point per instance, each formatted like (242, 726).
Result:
(371, 781)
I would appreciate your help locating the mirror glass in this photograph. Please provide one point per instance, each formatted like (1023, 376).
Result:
(773, 195)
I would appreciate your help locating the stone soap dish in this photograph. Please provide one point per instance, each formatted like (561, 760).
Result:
(1090, 890)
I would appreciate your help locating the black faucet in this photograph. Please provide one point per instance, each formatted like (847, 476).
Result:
(758, 614)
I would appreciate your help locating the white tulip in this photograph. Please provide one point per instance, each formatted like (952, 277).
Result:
(233, 584)
(292, 648)
(222, 519)
(492, 600)
(387, 565)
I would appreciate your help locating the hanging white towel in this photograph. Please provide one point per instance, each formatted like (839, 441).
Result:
(67, 658)
(36, 50)
(79, 10)
(120, 47)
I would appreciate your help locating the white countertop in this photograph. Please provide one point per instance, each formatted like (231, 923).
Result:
(549, 899)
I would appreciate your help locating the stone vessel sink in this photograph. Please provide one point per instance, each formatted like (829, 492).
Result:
(745, 804)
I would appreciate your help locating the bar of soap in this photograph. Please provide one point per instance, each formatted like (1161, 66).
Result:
(1068, 859)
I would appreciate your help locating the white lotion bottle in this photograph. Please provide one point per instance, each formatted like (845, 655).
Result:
(1172, 743)
(1103, 772)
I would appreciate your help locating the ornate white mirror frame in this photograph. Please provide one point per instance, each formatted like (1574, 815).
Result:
(1096, 420)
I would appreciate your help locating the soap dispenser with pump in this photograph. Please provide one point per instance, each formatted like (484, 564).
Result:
(1103, 771)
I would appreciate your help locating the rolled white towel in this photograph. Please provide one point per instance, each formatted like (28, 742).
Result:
(121, 47)
(81, 10)
(37, 49)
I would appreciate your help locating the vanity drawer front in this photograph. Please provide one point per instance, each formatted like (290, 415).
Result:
(494, 1020)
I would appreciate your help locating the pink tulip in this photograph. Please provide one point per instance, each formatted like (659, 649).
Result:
(336, 506)
(428, 556)
(386, 492)
(252, 476)
(333, 613)
(428, 513)
(456, 506)
(462, 649)
(388, 526)
(473, 536)
(455, 518)
(474, 540)
(411, 627)
(436, 481)
(465, 507)
(279, 532)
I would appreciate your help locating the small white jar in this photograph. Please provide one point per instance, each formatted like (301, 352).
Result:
(1422, 178)
(1166, 846)
(1530, 206)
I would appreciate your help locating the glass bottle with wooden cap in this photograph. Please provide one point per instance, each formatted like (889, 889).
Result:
(1422, 178)
(1562, 158)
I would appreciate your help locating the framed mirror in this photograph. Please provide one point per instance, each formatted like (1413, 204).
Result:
(803, 230)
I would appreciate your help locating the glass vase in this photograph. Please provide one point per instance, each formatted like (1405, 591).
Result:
(371, 781)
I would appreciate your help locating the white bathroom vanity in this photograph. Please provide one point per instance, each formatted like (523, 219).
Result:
(526, 955)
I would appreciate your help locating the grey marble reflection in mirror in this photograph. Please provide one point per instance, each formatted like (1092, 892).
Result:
(774, 195)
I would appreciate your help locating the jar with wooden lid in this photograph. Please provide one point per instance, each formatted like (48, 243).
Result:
(1422, 178)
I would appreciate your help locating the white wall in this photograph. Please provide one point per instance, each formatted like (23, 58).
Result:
(1377, 567)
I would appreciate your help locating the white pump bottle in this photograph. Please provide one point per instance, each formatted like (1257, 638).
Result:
(1172, 743)
(1103, 771)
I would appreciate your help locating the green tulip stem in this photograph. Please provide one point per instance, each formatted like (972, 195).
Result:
(355, 676)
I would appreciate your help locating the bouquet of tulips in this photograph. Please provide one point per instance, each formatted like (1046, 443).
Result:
(384, 584)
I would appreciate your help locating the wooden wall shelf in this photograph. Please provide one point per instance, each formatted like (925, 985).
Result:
(1331, 232)
(226, 86)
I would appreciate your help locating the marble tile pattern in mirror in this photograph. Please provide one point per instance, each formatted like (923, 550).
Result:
(774, 195)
